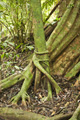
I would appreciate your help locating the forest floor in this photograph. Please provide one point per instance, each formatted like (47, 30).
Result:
(14, 62)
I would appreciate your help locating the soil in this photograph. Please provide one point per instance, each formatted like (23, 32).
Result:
(66, 102)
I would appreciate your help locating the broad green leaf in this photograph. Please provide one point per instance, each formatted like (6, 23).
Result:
(2, 56)
(16, 67)
(11, 43)
(5, 44)
(30, 47)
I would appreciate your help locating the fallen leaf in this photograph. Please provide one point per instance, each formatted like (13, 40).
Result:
(53, 113)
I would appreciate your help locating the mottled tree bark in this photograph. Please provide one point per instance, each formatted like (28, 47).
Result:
(16, 114)
(64, 42)
(76, 115)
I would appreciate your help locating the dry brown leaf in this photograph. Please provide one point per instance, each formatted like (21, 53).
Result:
(53, 113)
(67, 104)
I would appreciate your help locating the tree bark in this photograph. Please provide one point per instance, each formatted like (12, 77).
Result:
(40, 52)
(52, 11)
(76, 115)
(16, 114)
(64, 42)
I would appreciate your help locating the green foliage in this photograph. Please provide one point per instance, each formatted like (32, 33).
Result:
(1, 14)
(27, 48)
(14, 16)
(71, 5)
(18, 46)
(15, 21)
(47, 3)
(30, 47)
(57, 19)
(4, 45)
(16, 67)
(2, 5)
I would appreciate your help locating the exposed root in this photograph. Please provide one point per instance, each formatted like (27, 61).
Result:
(27, 76)
(10, 81)
(76, 115)
(37, 79)
(23, 96)
(73, 71)
(49, 97)
(15, 78)
(53, 82)
(26, 84)
(17, 114)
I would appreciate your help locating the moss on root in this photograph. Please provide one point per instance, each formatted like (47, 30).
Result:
(27, 77)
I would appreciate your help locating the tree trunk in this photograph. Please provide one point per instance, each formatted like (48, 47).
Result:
(64, 52)
(40, 43)
(40, 61)
(41, 52)
(64, 42)
(64, 48)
